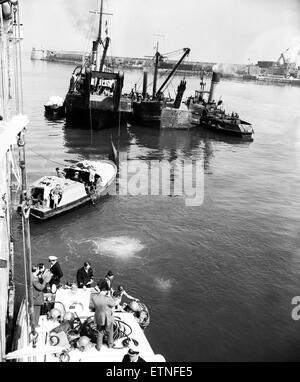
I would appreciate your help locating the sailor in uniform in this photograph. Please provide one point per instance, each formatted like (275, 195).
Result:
(56, 271)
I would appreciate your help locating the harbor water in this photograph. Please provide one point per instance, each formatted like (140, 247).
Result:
(217, 278)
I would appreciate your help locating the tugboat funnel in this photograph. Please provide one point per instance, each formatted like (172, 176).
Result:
(214, 81)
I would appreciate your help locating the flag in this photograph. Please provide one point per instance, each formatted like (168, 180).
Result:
(106, 28)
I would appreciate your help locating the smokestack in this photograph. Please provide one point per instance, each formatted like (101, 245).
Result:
(214, 81)
(145, 79)
(180, 90)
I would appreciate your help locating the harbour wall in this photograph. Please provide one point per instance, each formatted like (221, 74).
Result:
(189, 68)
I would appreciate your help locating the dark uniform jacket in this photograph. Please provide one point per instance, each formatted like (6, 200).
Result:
(84, 277)
(57, 274)
(126, 358)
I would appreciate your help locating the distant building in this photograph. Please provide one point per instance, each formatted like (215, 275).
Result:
(266, 64)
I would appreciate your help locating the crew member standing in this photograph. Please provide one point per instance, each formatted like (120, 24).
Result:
(104, 317)
(85, 276)
(38, 295)
(56, 273)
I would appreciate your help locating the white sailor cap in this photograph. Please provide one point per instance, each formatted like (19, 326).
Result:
(52, 258)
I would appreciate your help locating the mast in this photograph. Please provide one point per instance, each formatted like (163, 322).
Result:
(104, 54)
(157, 55)
(99, 40)
(186, 52)
(96, 44)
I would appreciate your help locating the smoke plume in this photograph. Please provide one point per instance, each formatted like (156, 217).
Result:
(85, 22)
(225, 68)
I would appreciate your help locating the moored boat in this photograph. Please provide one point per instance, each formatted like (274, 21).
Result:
(148, 110)
(55, 107)
(84, 182)
(94, 99)
(209, 114)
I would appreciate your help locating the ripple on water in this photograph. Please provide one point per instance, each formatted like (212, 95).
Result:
(115, 246)
(163, 284)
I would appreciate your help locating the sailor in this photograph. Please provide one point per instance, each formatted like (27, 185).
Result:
(133, 354)
(92, 174)
(56, 195)
(119, 293)
(60, 173)
(85, 276)
(56, 273)
(38, 295)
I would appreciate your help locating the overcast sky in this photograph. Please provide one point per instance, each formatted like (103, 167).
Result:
(216, 30)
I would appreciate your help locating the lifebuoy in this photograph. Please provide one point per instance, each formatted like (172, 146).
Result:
(64, 357)
(54, 340)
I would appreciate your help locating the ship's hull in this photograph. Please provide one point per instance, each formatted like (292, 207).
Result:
(95, 119)
(223, 126)
(52, 111)
(147, 113)
(96, 114)
(224, 129)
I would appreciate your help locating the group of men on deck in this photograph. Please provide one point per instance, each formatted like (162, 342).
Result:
(105, 299)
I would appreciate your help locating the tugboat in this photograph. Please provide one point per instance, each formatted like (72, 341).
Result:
(81, 183)
(94, 99)
(148, 110)
(210, 115)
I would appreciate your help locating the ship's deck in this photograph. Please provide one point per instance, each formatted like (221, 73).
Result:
(105, 354)
(79, 302)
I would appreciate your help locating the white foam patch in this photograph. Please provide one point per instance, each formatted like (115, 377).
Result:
(164, 284)
(122, 246)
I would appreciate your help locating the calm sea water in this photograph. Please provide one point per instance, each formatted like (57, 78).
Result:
(218, 278)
